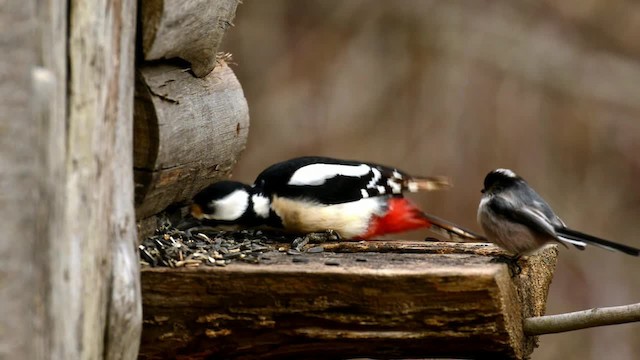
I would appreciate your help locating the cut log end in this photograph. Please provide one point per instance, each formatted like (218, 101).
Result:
(374, 299)
(202, 26)
(188, 133)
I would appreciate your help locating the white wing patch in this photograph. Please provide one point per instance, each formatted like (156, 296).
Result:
(395, 187)
(230, 207)
(318, 174)
(261, 205)
(374, 180)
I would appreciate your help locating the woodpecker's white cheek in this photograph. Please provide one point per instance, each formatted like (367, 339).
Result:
(230, 207)
(318, 174)
(260, 205)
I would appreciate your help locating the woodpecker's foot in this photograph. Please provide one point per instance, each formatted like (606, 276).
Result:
(299, 242)
(512, 262)
(188, 223)
(315, 238)
(322, 237)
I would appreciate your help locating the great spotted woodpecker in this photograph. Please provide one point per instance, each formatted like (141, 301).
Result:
(357, 200)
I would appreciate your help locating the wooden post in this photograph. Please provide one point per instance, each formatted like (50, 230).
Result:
(99, 214)
(69, 275)
(62, 295)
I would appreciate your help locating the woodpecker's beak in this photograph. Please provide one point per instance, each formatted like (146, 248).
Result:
(196, 211)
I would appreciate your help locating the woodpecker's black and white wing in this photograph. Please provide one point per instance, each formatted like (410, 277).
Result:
(334, 181)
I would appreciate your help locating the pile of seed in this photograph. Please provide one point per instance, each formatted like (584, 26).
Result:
(171, 247)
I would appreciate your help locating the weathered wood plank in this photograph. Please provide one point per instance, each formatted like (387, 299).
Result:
(413, 300)
(191, 30)
(124, 322)
(189, 133)
(62, 303)
(99, 212)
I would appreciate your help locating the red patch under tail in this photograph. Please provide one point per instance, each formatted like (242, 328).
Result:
(401, 216)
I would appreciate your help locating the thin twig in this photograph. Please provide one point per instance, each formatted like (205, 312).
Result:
(582, 319)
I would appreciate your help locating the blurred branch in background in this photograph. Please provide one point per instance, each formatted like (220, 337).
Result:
(582, 319)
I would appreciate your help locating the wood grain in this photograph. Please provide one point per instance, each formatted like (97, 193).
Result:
(61, 303)
(100, 219)
(190, 29)
(66, 100)
(413, 300)
(188, 133)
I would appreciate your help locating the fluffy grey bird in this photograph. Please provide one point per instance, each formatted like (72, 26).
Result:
(514, 217)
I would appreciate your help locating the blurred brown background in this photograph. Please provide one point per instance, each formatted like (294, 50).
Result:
(550, 89)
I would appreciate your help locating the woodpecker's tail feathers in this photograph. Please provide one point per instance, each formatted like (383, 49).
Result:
(452, 231)
(430, 183)
(581, 240)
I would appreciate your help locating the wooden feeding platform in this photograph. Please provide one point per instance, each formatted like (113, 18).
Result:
(377, 299)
